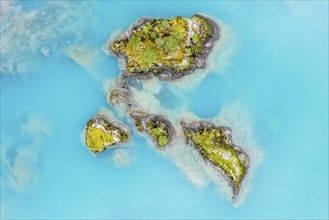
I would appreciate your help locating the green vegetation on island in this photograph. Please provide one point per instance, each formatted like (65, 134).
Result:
(174, 47)
(215, 146)
(160, 130)
(168, 49)
(101, 133)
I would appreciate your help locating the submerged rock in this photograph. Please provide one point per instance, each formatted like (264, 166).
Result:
(215, 146)
(101, 132)
(167, 48)
(119, 95)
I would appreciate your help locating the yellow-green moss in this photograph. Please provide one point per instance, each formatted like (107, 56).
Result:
(159, 132)
(101, 134)
(212, 144)
(164, 43)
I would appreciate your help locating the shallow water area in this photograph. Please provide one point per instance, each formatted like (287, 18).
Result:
(271, 89)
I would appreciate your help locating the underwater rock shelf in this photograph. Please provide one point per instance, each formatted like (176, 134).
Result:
(167, 49)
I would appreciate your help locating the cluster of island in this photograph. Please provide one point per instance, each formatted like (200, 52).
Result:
(168, 49)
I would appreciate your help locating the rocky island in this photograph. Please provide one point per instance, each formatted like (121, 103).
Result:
(102, 132)
(160, 130)
(215, 146)
(168, 49)
(157, 126)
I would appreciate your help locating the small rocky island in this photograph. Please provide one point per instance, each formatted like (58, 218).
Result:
(168, 49)
(157, 126)
(160, 130)
(101, 132)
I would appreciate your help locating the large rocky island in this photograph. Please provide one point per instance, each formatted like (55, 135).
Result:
(167, 49)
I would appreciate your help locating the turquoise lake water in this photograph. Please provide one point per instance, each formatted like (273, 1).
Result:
(276, 70)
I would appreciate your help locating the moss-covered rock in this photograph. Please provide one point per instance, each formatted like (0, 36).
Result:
(216, 147)
(101, 132)
(160, 130)
(138, 124)
(168, 48)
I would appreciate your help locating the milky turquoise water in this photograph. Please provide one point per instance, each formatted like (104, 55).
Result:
(278, 74)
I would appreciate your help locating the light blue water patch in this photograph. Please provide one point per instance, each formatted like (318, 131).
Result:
(279, 73)
(168, 99)
(209, 96)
